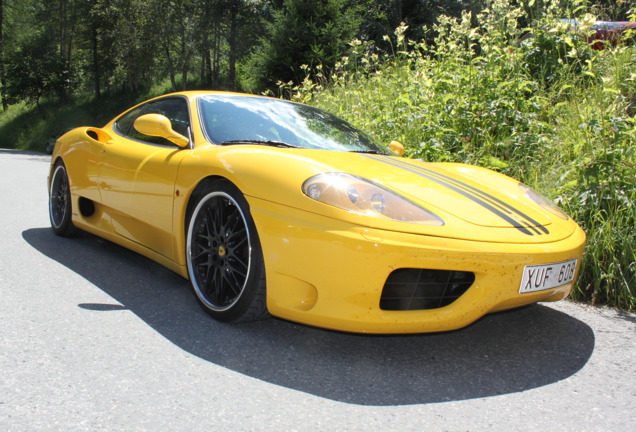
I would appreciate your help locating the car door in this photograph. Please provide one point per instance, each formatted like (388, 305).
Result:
(137, 175)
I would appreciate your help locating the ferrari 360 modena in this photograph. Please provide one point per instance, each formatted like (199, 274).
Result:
(274, 207)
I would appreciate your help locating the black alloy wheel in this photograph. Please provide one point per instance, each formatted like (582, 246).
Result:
(224, 257)
(60, 208)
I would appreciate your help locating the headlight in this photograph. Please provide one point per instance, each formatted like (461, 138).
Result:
(361, 196)
(542, 201)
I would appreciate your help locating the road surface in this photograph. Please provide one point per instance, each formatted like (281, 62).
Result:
(97, 338)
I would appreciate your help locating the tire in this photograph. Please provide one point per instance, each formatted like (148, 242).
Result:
(224, 256)
(60, 207)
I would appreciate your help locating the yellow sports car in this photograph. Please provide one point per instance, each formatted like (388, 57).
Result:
(273, 207)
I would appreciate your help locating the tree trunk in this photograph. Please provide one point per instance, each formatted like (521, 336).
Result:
(64, 46)
(95, 64)
(216, 55)
(232, 42)
(37, 103)
(204, 47)
(208, 67)
(3, 83)
(173, 80)
(133, 75)
(202, 70)
(184, 59)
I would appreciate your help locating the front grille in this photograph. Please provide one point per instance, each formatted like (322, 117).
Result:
(416, 289)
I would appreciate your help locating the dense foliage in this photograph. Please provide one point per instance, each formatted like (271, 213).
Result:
(450, 79)
(64, 48)
(304, 32)
(565, 126)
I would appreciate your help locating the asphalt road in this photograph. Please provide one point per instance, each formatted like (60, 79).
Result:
(96, 338)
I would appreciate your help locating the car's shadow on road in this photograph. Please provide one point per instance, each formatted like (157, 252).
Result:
(502, 353)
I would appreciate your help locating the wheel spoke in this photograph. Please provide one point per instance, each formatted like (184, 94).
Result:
(233, 282)
(196, 256)
(234, 225)
(219, 286)
(237, 240)
(238, 265)
(217, 218)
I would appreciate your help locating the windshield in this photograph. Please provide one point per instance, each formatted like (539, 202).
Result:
(239, 118)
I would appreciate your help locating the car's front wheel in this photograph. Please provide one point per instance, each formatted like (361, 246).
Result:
(60, 208)
(224, 256)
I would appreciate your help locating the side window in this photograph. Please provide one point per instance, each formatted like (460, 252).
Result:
(175, 109)
(125, 122)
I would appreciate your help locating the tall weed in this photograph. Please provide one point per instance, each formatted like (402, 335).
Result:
(549, 111)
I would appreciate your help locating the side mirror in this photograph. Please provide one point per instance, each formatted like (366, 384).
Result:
(159, 125)
(397, 147)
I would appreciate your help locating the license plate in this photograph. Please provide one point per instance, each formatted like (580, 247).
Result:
(547, 276)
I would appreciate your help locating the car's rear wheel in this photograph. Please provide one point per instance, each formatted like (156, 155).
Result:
(60, 208)
(224, 256)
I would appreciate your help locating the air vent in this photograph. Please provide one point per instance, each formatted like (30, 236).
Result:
(98, 135)
(418, 289)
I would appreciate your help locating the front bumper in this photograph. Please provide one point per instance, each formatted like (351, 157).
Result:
(328, 273)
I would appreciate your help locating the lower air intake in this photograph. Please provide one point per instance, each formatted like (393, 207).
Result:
(417, 289)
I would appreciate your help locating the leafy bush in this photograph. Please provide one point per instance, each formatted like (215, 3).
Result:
(550, 111)
(556, 51)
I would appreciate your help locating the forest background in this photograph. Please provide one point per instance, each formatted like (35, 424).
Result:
(448, 78)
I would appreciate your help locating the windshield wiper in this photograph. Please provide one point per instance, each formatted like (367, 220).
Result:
(375, 152)
(260, 142)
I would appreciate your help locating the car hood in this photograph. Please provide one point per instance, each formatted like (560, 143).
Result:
(480, 197)
(474, 203)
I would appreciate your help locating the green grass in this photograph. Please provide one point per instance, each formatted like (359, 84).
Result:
(24, 127)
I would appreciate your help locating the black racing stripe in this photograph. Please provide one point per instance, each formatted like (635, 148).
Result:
(464, 193)
(494, 200)
(489, 202)
(529, 221)
(534, 228)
